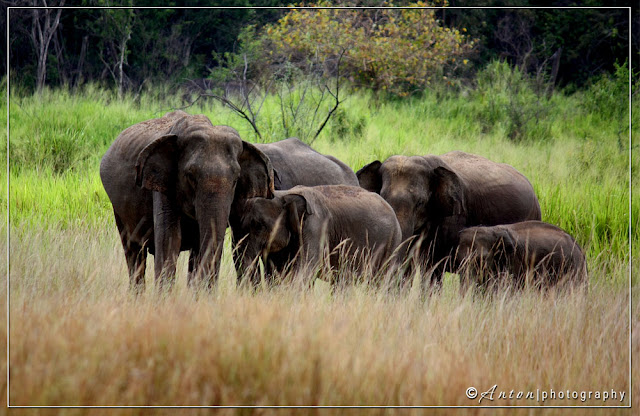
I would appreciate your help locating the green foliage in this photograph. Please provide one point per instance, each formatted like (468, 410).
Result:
(170, 44)
(399, 51)
(592, 38)
(508, 99)
(347, 125)
(240, 64)
(60, 131)
(608, 95)
(579, 174)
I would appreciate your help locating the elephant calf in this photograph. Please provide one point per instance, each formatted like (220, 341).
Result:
(298, 225)
(533, 250)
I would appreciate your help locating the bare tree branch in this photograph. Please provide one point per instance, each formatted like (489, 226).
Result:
(336, 96)
(42, 31)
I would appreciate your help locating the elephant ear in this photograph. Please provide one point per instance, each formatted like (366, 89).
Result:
(277, 182)
(448, 191)
(156, 166)
(296, 207)
(256, 174)
(504, 246)
(370, 177)
(505, 240)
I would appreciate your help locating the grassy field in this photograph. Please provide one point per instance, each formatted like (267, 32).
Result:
(77, 337)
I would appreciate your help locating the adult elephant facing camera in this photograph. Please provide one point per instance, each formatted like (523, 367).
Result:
(435, 197)
(172, 182)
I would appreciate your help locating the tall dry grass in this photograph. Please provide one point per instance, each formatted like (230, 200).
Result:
(77, 337)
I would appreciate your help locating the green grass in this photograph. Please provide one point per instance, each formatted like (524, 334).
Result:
(78, 337)
(579, 173)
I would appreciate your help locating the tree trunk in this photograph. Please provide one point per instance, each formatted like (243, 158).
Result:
(43, 28)
(555, 65)
(123, 49)
(83, 54)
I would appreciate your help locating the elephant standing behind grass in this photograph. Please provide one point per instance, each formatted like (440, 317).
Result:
(435, 197)
(172, 182)
(532, 252)
(176, 182)
(303, 224)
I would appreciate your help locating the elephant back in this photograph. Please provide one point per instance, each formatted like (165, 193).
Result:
(296, 163)
(496, 193)
(131, 141)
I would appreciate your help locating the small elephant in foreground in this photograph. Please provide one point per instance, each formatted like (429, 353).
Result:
(297, 226)
(531, 252)
(294, 163)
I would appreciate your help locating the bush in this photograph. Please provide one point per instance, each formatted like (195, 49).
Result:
(508, 98)
(398, 51)
(608, 98)
(608, 95)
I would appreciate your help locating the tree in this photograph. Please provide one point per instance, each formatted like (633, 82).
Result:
(114, 28)
(591, 39)
(400, 51)
(243, 79)
(44, 23)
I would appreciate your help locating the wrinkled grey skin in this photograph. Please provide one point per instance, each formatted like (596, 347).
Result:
(295, 223)
(294, 163)
(543, 252)
(172, 182)
(435, 197)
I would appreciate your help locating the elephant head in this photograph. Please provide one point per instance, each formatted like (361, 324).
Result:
(423, 191)
(204, 170)
(274, 226)
(483, 252)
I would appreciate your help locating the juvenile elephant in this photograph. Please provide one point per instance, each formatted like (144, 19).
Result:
(294, 163)
(299, 224)
(435, 197)
(542, 252)
(172, 182)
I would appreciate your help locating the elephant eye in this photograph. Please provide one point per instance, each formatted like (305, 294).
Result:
(191, 178)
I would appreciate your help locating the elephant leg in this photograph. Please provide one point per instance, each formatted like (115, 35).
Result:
(136, 257)
(237, 259)
(312, 264)
(238, 252)
(167, 239)
(404, 268)
(431, 282)
(136, 262)
(193, 262)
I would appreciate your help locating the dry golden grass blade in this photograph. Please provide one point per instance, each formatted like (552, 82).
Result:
(78, 338)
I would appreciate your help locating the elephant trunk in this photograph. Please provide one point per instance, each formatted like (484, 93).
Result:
(212, 212)
(407, 223)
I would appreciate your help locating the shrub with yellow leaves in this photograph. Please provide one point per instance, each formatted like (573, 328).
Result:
(396, 50)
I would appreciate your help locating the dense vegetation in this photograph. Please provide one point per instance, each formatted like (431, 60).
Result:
(575, 154)
(77, 337)
(147, 44)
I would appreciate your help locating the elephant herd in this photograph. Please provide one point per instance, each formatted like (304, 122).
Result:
(178, 181)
